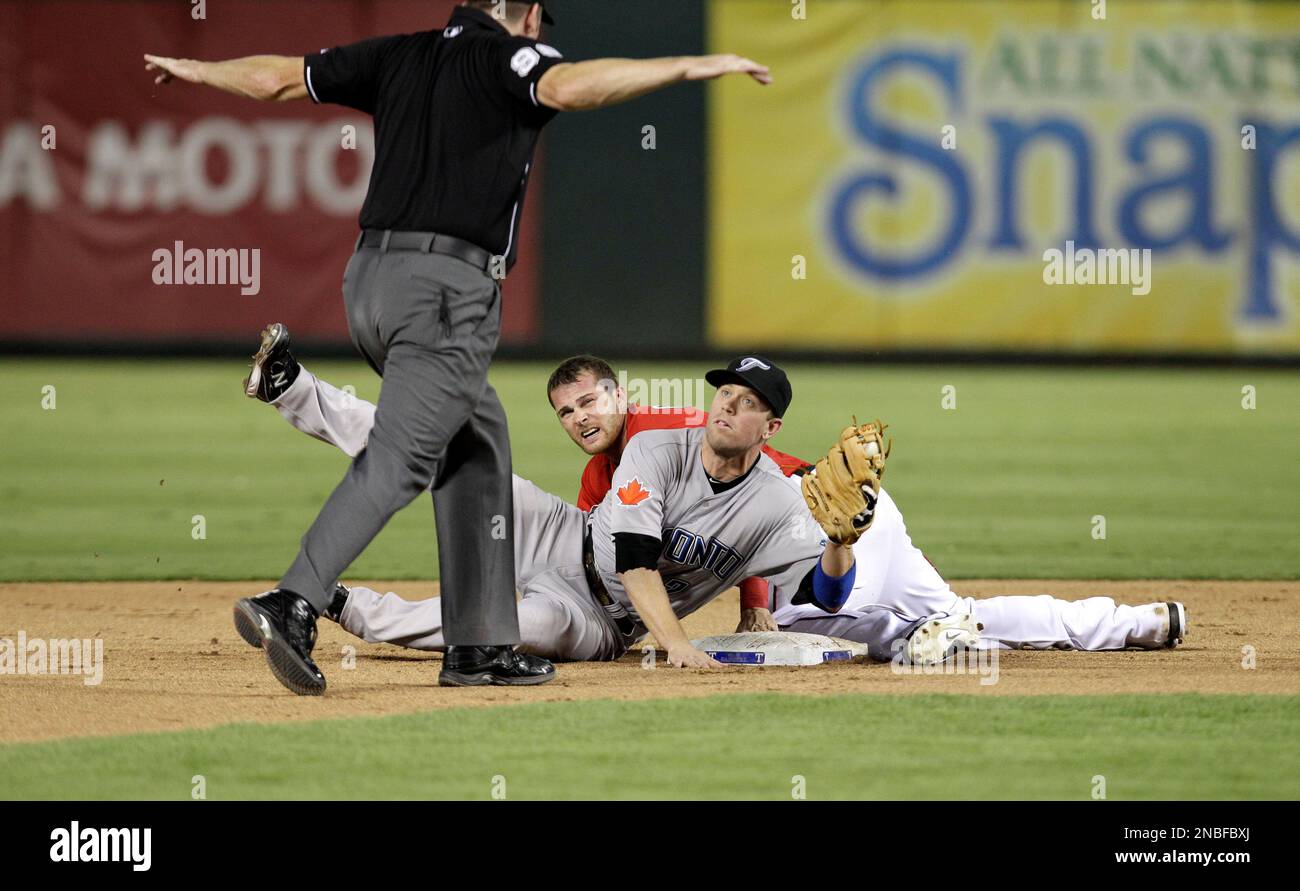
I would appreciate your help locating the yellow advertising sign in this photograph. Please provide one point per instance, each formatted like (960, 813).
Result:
(959, 174)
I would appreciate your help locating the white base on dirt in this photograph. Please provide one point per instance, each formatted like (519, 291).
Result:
(779, 648)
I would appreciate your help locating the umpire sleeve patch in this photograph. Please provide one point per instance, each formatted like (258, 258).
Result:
(525, 61)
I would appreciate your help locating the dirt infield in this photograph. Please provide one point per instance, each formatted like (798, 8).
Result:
(172, 659)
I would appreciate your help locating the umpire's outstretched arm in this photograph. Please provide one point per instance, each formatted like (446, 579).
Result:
(268, 78)
(581, 86)
(570, 86)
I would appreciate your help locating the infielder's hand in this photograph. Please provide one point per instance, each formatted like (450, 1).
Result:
(684, 655)
(709, 67)
(757, 620)
(185, 69)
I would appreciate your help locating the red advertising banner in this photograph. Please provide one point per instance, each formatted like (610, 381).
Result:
(109, 183)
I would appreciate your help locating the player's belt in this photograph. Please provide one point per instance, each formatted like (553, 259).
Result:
(425, 243)
(616, 611)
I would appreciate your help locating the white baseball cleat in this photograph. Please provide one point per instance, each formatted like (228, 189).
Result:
(936, 641)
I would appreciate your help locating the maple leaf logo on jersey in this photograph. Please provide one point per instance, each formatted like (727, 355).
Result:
(633, 493)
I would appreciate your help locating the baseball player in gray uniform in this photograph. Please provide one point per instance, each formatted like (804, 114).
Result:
(898, 598)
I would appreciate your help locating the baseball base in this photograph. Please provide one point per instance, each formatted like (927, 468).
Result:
(779, 648)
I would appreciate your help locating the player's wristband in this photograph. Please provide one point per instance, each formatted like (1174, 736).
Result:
(831, 592)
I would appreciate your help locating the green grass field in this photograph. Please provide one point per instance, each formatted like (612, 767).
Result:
(748, 746)
(1191, 485)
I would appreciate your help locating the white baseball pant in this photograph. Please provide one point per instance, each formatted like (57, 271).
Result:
(896, 589)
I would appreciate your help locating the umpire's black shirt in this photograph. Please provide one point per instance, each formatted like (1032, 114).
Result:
(456, 120)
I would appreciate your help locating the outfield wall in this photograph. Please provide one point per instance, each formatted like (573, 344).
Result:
(898, 191)
(100, 170)
(932, 153)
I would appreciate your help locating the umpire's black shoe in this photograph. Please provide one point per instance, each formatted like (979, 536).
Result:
(284, 625)
(274, 367)
(340, 599)
(477, 666)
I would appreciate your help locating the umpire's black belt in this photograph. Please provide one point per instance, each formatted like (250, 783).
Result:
(426, 243)
(616, 611)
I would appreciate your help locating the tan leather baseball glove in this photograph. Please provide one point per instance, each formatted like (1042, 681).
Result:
(843, 488)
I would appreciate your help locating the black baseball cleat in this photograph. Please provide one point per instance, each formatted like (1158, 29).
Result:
(337, 602)
(500, 666)
(284, 626)
(274, 367)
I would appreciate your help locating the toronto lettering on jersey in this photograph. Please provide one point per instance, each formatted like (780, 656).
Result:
(685, 547)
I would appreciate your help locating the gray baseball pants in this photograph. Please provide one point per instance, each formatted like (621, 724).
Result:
(428, 324)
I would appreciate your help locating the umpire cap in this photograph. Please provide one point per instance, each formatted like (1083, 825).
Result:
(761, 375)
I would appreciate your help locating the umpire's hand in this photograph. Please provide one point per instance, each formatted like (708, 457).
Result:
(709, 67)
(167, 68)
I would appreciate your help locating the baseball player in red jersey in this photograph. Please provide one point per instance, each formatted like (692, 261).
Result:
(595, 412)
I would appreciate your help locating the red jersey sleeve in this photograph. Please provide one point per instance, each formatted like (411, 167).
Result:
(597, 477)
(788, 463)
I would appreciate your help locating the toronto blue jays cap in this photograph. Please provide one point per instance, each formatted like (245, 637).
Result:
(761, 375)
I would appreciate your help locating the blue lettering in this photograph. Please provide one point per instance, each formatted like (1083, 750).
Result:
(1196, 180)
(1012, 137)
(845, 206)
(1268, 228)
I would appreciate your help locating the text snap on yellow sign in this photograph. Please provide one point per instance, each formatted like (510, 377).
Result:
(1024, 176)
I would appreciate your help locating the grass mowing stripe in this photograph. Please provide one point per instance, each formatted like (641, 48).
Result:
(1005, 485)
(743, 746)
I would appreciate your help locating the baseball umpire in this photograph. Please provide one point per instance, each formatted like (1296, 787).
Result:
(458, 111)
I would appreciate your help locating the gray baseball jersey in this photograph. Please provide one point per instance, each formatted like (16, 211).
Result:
(710, 541)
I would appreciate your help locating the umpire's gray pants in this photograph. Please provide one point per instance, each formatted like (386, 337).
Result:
(428, 324)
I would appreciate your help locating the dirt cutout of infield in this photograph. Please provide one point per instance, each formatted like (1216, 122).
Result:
(172, 660)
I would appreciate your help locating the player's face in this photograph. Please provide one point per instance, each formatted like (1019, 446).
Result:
(739, 420)
(591, 412)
